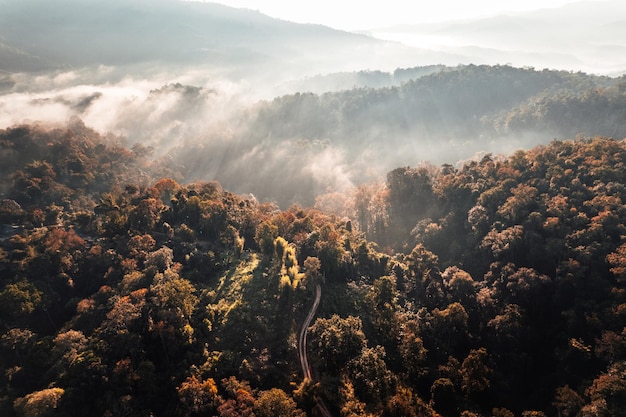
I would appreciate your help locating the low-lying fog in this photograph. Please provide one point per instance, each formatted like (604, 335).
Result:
(219, 119)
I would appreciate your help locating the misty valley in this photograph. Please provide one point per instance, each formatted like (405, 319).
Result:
(205, 211)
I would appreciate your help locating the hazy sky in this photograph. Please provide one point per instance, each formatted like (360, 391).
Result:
(355, 15)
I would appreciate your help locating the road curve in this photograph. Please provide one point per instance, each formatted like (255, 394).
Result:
(302, 352)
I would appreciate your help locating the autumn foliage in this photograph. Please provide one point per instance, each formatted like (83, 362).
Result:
(495, 288)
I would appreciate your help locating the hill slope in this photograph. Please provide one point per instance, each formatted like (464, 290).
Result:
(123, 294)
(336, 140)
(72, 33)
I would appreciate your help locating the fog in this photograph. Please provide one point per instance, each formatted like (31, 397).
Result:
(218, 96)
(212, 128)
(585, 36)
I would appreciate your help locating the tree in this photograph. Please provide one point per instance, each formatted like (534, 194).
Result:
(10, 212)
(170, 291)
(504, 244)
(411, 198)
(351, 406)
(533, 413)
(517, 206)
(617, 260)
(461, 286)
(373, 382)
(450, 326)
(506, 328)
(197, 395)
(312, 266)
(412, 350)
(146, 214)
(423, 279)
(19, 341)
(39, 403)
(527, 288)
(161, 259)
(475, 372)
(608, 392)
(62, 246)
(266, 234)
(443, 397)
(68, 345)
(336, 341)
(140, 245)
(501, 412)
(20, 299)
(478, 218)
(567, 402)
(382, 302)
(276, 403)
(239, 401)
(165, 189)
(405, 403)
(371, 211)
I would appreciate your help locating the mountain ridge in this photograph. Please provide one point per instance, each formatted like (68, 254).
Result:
(573, 31)
(75, 34)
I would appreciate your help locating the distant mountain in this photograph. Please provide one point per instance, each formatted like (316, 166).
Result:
(338, 81)
(76, 33)
(14, 59)
(586, 35)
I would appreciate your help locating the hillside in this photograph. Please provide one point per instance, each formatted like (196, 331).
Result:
(205, 211)
(295, 147)
(174, 35)
(496, 288)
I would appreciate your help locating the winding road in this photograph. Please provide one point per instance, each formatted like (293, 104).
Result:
(302, 352)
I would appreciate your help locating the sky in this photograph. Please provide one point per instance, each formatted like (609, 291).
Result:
(360, 15)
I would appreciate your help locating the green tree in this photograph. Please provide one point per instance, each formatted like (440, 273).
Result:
(20, 299)
(373, 382)
(411, 198)
(276, 403)
(266, 234)
(450, 326)
(337, 340)
(312, 266)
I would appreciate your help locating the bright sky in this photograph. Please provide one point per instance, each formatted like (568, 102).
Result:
(356, 15)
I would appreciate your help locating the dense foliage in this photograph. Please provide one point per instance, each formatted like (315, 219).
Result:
(459, 102)
(311, 142)
(493, 289)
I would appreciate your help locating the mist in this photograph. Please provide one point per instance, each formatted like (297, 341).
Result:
(292, 148)
(283, 111)
(585, 36)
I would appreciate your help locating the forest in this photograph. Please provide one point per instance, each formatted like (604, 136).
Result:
(432, 114)
(492, 288)
(208, 211)
(293, 147)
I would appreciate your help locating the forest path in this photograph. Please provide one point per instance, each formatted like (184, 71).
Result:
(302, 351)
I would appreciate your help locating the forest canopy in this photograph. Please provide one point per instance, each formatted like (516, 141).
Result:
(495, 288)
(335, 133)
(207, 211)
